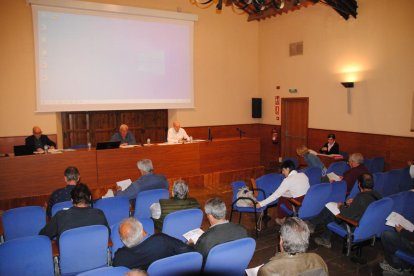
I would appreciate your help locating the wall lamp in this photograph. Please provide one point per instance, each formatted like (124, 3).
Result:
(348, 86)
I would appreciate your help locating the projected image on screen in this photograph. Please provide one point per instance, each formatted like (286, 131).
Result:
(105, 61)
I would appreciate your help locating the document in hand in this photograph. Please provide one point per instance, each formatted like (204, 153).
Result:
(333, 207)
(253, 271)
(396, 219)
(124, 184)
(193, 235)
(333, 176)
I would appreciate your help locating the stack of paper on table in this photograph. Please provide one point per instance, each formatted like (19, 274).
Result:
(124, 184)
(333, 176)
(193, 235)
(396, 219)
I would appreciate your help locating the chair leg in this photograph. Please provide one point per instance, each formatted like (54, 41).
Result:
(255, 220)
(56, 266)
(348, 240)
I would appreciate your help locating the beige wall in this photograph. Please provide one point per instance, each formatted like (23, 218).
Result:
(235, 60)
(375, 49)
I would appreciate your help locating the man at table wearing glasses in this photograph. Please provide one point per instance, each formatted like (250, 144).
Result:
(37, 141)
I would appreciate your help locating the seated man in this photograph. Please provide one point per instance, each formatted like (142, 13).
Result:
(220, 231)
(295, 186)
(292, 259)
(38, 141)
(81, 214)
(124, 136)
(176, 134)
(179, 201)
(140, 253)
(72, 177)
(356, 162)
(391, 240)
(353, 209)
(147, 181)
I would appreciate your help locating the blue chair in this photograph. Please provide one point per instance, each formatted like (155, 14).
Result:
(23, 222)
(145, 199)
(115, 208)
(31, 256)
(339, 168)
(61, 206)
(182, 264)
(313, 203)
(268, 183)
(236, 186)
(294, 160)
(385, 183)
(354, 191)
(117, 243)
(338, 192)
(369, 226)
(79, 146)
(401, 178)
(402, 204)
(230, 258)
(375, 164)
(406, 257)
(344, 154)
(82, 249)
(314, 174)
(180, 222)
(106, 271)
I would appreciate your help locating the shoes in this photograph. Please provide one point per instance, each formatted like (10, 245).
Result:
(323, 242)
(280, 221)
(311, 227)
(391, 270)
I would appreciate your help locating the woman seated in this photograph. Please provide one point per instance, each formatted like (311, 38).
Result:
(311, 159)
(179, 201)
(331, 147)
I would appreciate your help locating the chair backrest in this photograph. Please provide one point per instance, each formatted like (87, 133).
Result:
(401, 178)
(315, 199)
(180, 222)
(83, 248)
(61, 206)
(402, 204)
(294, 160)
(377, 164)
(314, 174)
(23, 222)
(268, 183)
(368, 164)
(235, 186)
(145, 199)
(117, 243)
(385, 183)
(27, 256)
(354, 191)
(230, 258)
(182, 264)
(106, 271)
(338, 192)
(338, 167)
(115, 208)
(373, 219)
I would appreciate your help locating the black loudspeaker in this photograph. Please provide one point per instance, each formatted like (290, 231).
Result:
(256, 107)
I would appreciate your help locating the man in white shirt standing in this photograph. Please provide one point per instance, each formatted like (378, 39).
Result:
(176, 134)
(295, 185)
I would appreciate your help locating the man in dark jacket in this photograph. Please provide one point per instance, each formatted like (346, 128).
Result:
(37, 141)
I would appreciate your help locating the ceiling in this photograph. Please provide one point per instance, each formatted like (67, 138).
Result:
(262, 9)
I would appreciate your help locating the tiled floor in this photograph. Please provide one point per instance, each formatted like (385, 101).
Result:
(338, 264)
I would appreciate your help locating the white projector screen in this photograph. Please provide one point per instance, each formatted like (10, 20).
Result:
(105, 60)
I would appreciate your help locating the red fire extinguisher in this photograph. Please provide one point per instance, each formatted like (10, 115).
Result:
(274, 136)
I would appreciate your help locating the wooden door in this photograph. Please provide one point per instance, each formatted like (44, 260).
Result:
(294, 130)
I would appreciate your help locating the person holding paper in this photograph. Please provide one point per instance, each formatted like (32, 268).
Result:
(38, 141)
(139, 252)
(124, 136)
(331, 147)
(353, 209)
(220, 231)
(295, 186)
(148, 181)
(71, 176)
(179, 201)
(400, 239)
(176, 134)
(292, 258)
(356, 162)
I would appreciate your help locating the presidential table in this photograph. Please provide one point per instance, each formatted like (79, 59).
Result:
(34, 175)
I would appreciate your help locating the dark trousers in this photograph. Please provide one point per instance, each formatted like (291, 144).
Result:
(393, 241)
(324, 218)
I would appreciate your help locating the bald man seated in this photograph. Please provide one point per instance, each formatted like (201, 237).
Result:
(124, 136)
(38, 141)
(176, 134)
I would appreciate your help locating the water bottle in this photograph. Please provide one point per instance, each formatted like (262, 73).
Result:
(89, 145)
(148, 141)
(46, 148)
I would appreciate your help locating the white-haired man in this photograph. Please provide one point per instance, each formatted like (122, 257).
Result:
(176, 134)
(139, 252)
(124, 136)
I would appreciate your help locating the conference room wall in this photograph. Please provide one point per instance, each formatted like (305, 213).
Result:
(375, 50)
(225, 67)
